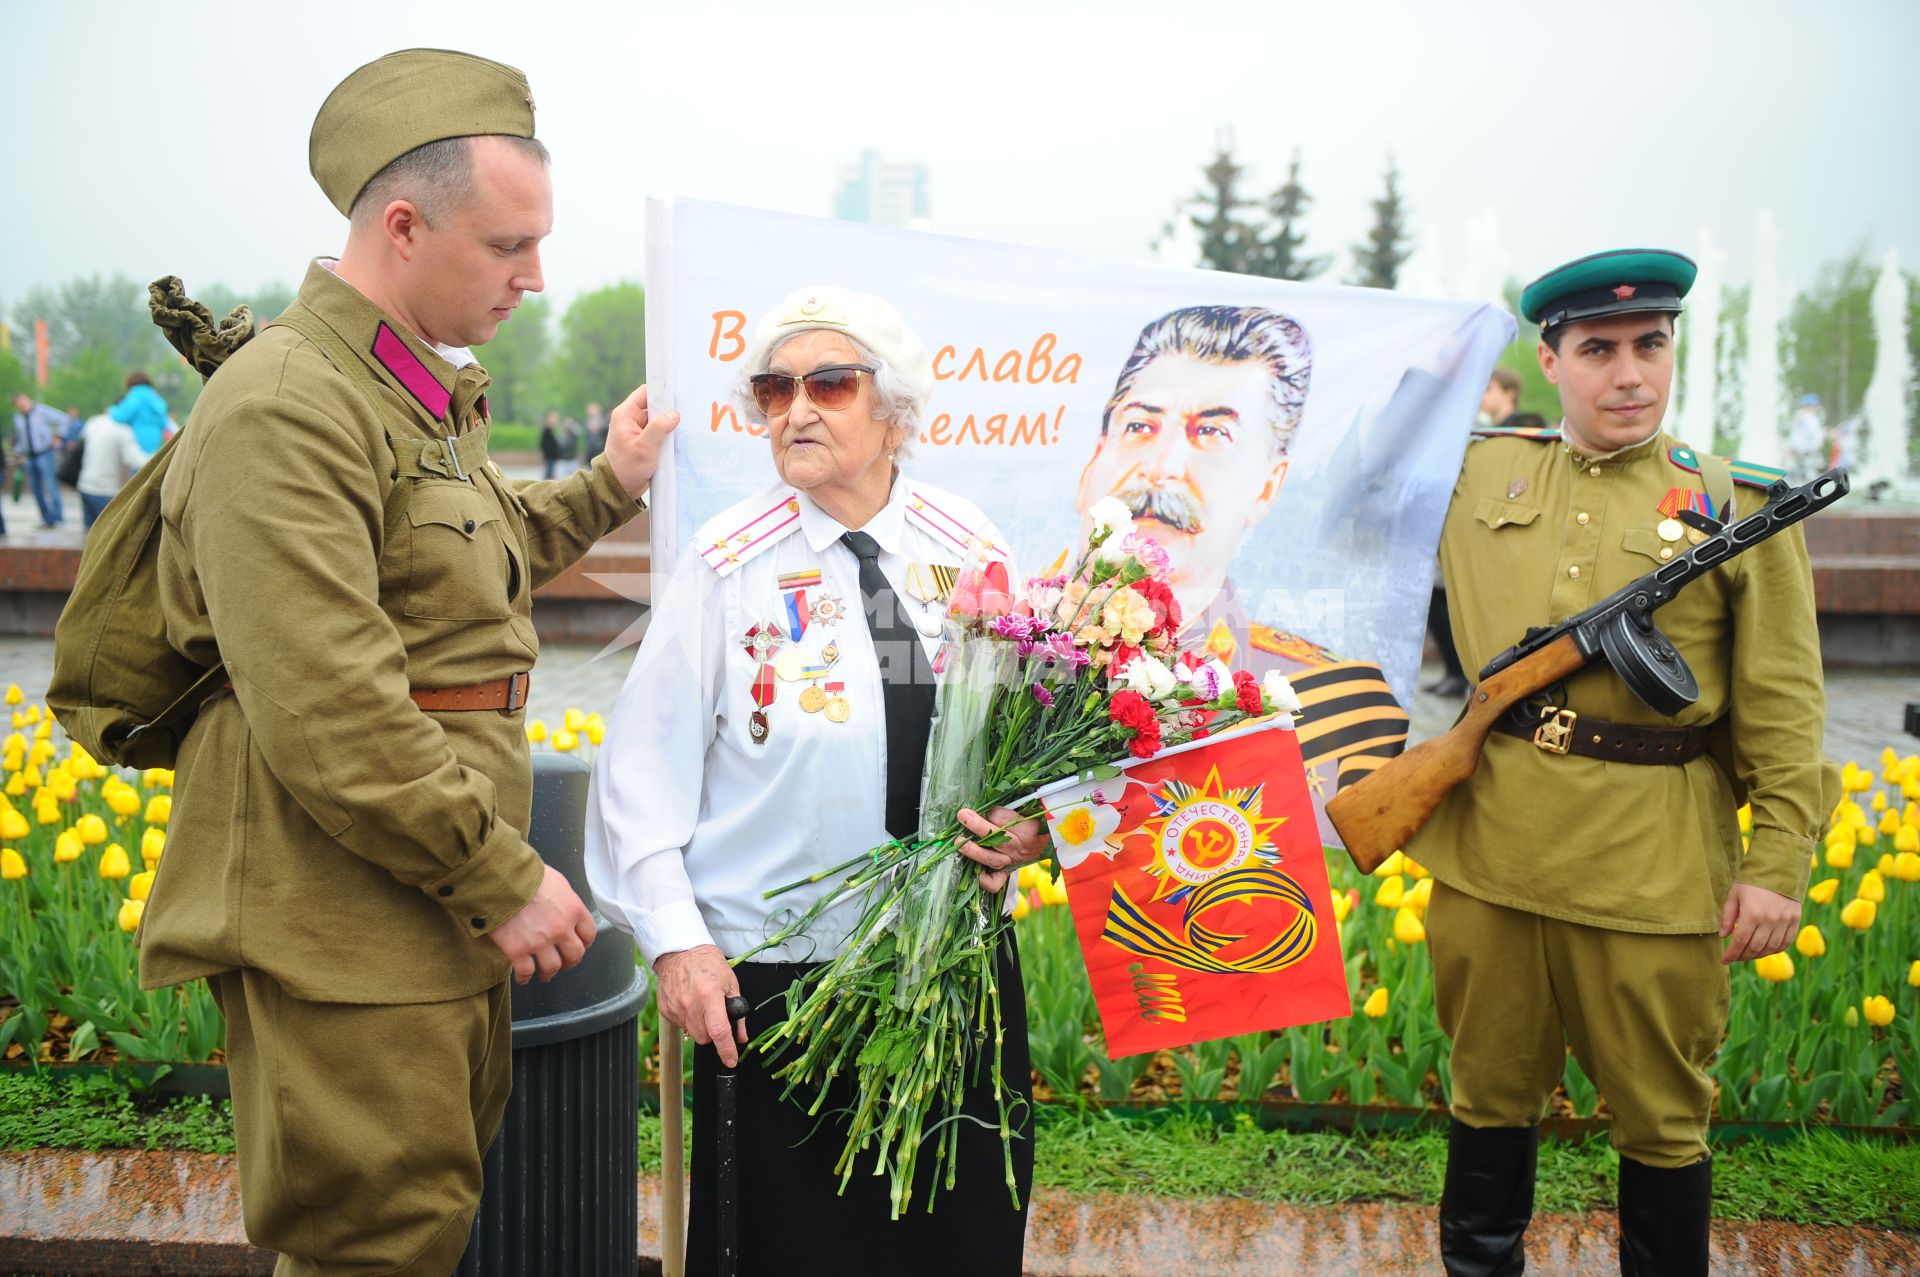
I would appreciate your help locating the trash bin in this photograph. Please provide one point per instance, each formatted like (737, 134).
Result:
(562, 1179)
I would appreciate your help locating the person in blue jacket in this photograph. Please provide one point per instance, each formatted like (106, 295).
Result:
(144, 410)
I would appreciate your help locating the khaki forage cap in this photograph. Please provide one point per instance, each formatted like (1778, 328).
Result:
(408, 99)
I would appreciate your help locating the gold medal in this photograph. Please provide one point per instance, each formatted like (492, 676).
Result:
(813, 700)
(838, 710)
(789, 664)
(1671, 529)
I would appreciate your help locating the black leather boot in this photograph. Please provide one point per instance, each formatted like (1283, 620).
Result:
(1488, 1199)
(1664, 1216)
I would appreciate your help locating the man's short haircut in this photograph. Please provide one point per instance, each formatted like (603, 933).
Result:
(1228, 335)
(1556, 334)
(436, 177)
(1508, 380)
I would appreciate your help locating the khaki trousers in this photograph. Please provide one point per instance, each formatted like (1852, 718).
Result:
(1643, 1013)
(362, 1128)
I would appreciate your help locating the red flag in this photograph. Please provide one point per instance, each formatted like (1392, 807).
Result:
(1199, 891)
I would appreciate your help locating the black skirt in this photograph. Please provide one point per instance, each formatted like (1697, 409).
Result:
(791, 1217)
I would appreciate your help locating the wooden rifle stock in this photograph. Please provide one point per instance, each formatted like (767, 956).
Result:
(1377, 815)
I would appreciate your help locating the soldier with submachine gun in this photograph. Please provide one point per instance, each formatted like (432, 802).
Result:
(1581, 818)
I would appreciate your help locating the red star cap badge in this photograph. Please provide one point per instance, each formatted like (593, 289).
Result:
(1624, 292)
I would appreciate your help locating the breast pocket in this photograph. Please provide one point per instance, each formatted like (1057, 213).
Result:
(461, 567)
(1645, 543)
(1498, 514)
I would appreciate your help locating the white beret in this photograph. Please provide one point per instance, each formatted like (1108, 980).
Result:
(871, 321)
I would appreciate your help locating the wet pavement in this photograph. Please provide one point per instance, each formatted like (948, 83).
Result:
(179, 1213)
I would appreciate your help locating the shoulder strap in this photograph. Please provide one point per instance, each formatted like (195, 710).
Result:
(1718, 481)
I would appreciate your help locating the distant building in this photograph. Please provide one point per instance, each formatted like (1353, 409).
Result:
(883, 193)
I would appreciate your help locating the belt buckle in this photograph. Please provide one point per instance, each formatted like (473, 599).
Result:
(517, 690)
(1555, 730)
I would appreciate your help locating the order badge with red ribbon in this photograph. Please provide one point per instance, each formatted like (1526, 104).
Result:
(1200, 894)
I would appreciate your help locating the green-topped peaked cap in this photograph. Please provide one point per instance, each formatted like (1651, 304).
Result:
(1624, 281)
(406, 100)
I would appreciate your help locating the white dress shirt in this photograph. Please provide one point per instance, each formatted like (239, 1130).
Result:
(690, 820)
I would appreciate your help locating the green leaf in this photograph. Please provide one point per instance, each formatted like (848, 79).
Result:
(85, 1041)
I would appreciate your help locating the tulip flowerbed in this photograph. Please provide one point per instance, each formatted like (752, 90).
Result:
(1827, 1032)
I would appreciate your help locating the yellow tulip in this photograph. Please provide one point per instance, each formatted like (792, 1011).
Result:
(114, 863)
(1390, 866)
(12, 825)
(157, 778)
(1872, 887)
(14, 694)
(596, 732)
(1908, 839)
(62, 785)
(1020, 906)
(1906, 866)
(1913, 974)
(1879, 802)
(1911, 816)
(564, 741)
(16, 785)
(1840, 855)
(536, 732)
(1414, 869)
(1910, 789)
(1391, 893)
(1878, 1010)
(14, 744)
(130, 911)
(1376, 1004)
(1776, 968)
(30, 778)
(48, 812)
(152, 843)
(1053, 891)
(44, 732)
(1746, 819)
(1859, 914)
(42, 752)
(92, 829)
(1342, 906)
(33, 715)
(1889, 822)
(595, 718)
(1850, 814)
(1885, 867)
(1867, 836)
(573, 720)
(1849, 776)
(12, 867)
(1421, 894)
(1810, 942)
(159, 809)
(1407, 928)
(1821, 892)
(124, 800)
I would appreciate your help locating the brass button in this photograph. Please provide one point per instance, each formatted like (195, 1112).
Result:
(1595, 472)
(1666, 552)
(1581, 518)
(1574, 571)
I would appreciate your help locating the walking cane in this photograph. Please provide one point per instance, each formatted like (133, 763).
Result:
(727, 1112)
(673, 1154)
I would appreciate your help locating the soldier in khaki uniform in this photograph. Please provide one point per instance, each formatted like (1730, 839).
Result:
(348, 864)
(1584, 897)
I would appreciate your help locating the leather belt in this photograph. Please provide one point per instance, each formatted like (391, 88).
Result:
(501, 693)
(1563, 731)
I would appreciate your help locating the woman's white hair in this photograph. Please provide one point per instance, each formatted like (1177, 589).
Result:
(895, 401)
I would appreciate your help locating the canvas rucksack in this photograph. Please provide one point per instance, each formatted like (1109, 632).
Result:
(118, 686)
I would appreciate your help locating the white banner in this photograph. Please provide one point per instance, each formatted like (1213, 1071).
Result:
(1297, 443)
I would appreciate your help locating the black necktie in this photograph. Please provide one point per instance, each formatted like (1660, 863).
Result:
(907, 684)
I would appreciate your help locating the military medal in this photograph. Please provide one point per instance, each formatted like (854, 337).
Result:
(790, 665)
(762, 693)
(1670, 530)
(837, 707)
(828, 609)
(1684, 500)
(813, 700)
(928, 584)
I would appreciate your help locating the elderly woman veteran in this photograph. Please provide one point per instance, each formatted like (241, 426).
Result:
(774, 723)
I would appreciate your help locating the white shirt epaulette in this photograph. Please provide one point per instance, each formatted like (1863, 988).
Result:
(955, 520)
(748, 528)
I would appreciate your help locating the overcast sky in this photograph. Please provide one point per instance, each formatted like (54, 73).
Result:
(171, 139)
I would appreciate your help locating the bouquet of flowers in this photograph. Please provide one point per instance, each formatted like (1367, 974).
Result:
(1072, 671)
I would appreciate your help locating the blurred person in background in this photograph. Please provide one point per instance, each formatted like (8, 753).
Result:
(142, 409)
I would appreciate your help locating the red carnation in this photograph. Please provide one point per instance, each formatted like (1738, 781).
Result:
(1147, 742)
(1130, 709)
(1166, 608)
(1246, 690)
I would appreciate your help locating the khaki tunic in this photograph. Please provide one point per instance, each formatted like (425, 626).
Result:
(326, 830)
(1535, 533)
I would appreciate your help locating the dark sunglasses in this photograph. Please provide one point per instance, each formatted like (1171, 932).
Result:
(834, 386)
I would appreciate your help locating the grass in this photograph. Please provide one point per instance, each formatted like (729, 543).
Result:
(1816, 1178)
(38, 1110)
